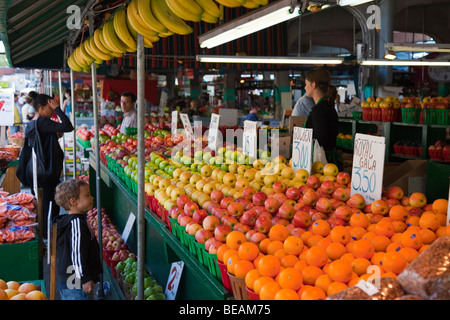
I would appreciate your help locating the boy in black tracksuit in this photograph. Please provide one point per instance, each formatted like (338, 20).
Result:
(78, 254)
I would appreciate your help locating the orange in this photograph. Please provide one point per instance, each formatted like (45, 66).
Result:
(310, 274)
(274, 246)
(429, 220)
(377, 258)
(380, 243)
(235, 239)
(412, 239)
(256, 261)
(412, 221)
(440, 206)
(384, 228)
(27, 287)
(11, 293)
(357, 233)
(394, 262)
(279, 254)
(221, 250)
(269, 266)
(396, 238)
(312, 293)
(324, 242)
(369, 235)
(306, 235)
(286, 294)
(349, 257)
(409, 254)
(363, 248)
(313, 240)
(335, 287)
(398, 213)
(340, 271)
(428, 236)
(289, 260)
(340, 234)
(300, 265)
(443, 231)
(13, 285)
(336, 250)
(248, 251)
(242, 267)
(399, 226)
(260, 282)
(394, 246)
(231, 262)
(290, 278)
(359, 219)
(264, 244)
(3, 295)
(278, 232)
(250, 278)
(442, 219)
(321, 227)
(229, 253)
(353, 282)
(269, 290)
(316, 256)
(293, 245)
(3, 284)
(423, 248)
(360, 265)
(323, 282)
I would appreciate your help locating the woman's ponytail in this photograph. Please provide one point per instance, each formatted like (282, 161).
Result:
(322, 78)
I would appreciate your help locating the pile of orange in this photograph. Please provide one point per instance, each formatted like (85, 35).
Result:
(324, 260)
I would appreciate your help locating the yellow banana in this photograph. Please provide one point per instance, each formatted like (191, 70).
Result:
(98, 43)
(209, 7)
(87, 56)
(166, 16)
(136, 22)
(100, 54)
(165, 35)
(92, 53)
(231, 3)
(147, 43)
(250, 4)
(206, 17)
(81, 61)
(102, 38)
(112, 38)
(148, 18)
(261, 2)
(186, 11)
(72, 65)
(120, 26)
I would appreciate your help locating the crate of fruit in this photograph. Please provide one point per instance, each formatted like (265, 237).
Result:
(442, 116)
(411, 115)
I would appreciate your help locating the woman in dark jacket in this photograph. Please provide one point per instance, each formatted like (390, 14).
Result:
(323, 118)
(53, 157)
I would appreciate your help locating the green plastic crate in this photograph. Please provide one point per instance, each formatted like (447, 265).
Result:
(173, 225)
(19, 261)
(190, 239)
(84, 143)
(357, 115)
(131, 131)
(200, 252)
(213, 266)
(430, 116)
(181, 232)
(411, 115)
(442, 116)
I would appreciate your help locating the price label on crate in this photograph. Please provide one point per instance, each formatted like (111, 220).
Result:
(128, 227)
(368, 166)
(250, 139)
(174, 279)
(213, 133)
(174, 125)
(187, 126)
(302, 146)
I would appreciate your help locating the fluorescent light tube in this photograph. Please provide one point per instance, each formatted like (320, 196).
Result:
(411, 63)
(425, 47)
(390, 55)
(268, 60)
(352, 2)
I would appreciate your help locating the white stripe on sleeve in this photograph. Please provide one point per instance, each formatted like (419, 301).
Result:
(76, 254)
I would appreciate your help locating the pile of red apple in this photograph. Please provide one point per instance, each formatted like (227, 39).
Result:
(439, 151)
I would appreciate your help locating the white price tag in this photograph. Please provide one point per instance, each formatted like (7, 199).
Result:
(302, 146)
(7, 109)
(128, 226)
(187, 126)
(368, 166)
(174, 280)
(367, 287)
(213, 131)
(250, 139)
(174, 123)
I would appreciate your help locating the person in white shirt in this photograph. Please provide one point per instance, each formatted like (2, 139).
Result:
(28, 112)
(303, 107)
(127, 103)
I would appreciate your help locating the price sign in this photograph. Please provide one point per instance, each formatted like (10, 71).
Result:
(174, 123)
(302, 146)
(368, 166)
(7, 109)
(174, 279)
(187, 126)
(128, 226)
(213, 131)
(250, 140)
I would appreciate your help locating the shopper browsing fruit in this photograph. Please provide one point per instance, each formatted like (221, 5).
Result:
(127, 103)
(77, 250)
(323, 118)
(252, 116)
(303, 106)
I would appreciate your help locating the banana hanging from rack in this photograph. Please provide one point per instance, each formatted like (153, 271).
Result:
(187, 10)
(250, 4)
(137, 24)
(112, 39)
(168, 18)
(261, 2)
(206, 17)
(147, 42)
(99, 53)
(209, 7)
(110, 51)
(78, 57)
(149, 20)
(72, 65)
(120, 26)
(88, 48)
(231, 3)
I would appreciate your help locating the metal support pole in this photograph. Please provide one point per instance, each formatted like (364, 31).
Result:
(60, 104)
(97, 155)
(72, 98)
(141, 164)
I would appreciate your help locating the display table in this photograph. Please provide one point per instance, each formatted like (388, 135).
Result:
(162, 247)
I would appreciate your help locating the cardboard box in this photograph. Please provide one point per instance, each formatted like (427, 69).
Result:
(296, 122)
(400, 175)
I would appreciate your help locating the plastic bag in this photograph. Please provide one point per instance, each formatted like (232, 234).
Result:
(389, 289)
(319, 153)
(20, 198)
(17, 234)
(429, 274)
(16, 212)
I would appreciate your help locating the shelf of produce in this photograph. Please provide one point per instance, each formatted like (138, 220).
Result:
(162, 247)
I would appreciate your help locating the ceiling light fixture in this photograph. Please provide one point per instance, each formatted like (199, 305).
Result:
(410, 63)
(269, 60)
(390, 55)
(352, 2)
(422, 47)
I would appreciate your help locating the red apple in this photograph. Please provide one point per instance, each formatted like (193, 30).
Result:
(279, 220)
(215, 245)
(249, 218)
(241, 227)
(216, 196)
(175, 211)
(182, 200)
(183, 220)
(343, 177)
(248, 193)
(229, 221)
(199, 216)
(202, 235)
(318, 216)
(236, 209)
(211, 206)
(323, 205)
(310, 198)
(356, 201)
(272, 205)
(343, 213)
(293, 193)
(334, 222)
(415, 212)
(221, 232)
(190, 208)
(279, 186)
(395, 192)
(286, 211)
(375, 218)
(192, 228)
(302, 219)
(259, 198)
(225, 202)
(263, 224)
(313, 182)
(257, 237)
(327, 186)
(342, 194)
(210, 223)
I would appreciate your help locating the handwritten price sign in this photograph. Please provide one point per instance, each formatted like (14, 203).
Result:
(302, 149)
(174, 279)
(250, 139)
(6, 109)
(213, 131)
(187, 125)
(368, 166)
(174, 123)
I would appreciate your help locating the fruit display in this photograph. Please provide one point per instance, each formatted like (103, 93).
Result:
(153, 19)
(13, 290)
(408, 148)
(439, 151)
